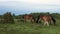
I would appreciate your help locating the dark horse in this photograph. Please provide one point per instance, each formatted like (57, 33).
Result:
(29, 18)
(46, 18)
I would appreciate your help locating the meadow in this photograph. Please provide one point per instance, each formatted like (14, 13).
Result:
(29, 28)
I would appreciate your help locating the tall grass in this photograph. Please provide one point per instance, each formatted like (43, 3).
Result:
(29, 28)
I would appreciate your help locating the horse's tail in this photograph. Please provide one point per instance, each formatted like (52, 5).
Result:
(54, 21)
(38, 19)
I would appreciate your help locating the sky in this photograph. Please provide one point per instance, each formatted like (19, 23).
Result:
(29, 6)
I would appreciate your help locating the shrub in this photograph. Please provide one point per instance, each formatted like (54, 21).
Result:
(8, 18)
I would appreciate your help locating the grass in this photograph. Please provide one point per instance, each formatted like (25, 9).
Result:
(29, 28)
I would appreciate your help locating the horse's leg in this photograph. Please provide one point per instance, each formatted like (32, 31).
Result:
(31, 20)
(50, 22)
(46, 23)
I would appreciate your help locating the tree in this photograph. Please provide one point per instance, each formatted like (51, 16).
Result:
(8, 18)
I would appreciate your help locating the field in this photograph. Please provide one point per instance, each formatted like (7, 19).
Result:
(29, 28)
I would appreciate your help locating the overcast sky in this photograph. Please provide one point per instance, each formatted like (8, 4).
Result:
(28, 6)
(38, 1)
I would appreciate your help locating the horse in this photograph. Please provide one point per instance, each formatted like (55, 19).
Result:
(47, 19)
(29, 17)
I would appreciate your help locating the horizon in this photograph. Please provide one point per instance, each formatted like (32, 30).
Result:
(29, 6)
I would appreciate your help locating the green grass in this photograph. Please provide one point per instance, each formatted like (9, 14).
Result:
(29, 28)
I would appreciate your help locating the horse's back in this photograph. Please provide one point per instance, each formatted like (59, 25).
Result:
(46, 18)
(29, 17)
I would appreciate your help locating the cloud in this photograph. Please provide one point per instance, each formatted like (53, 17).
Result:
(38, 1)
(42, 1)
(17, 6)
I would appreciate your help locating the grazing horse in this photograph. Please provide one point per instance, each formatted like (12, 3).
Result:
(46, 18)
(29, 17)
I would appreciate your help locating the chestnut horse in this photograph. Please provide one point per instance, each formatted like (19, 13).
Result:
(29, 17)
(46, 18)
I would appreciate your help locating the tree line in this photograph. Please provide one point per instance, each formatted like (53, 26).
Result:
(9, 18)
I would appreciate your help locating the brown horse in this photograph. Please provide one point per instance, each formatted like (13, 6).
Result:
(29, 18)
(46, 18)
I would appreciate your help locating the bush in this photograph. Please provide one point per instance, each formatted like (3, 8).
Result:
(8, 18)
